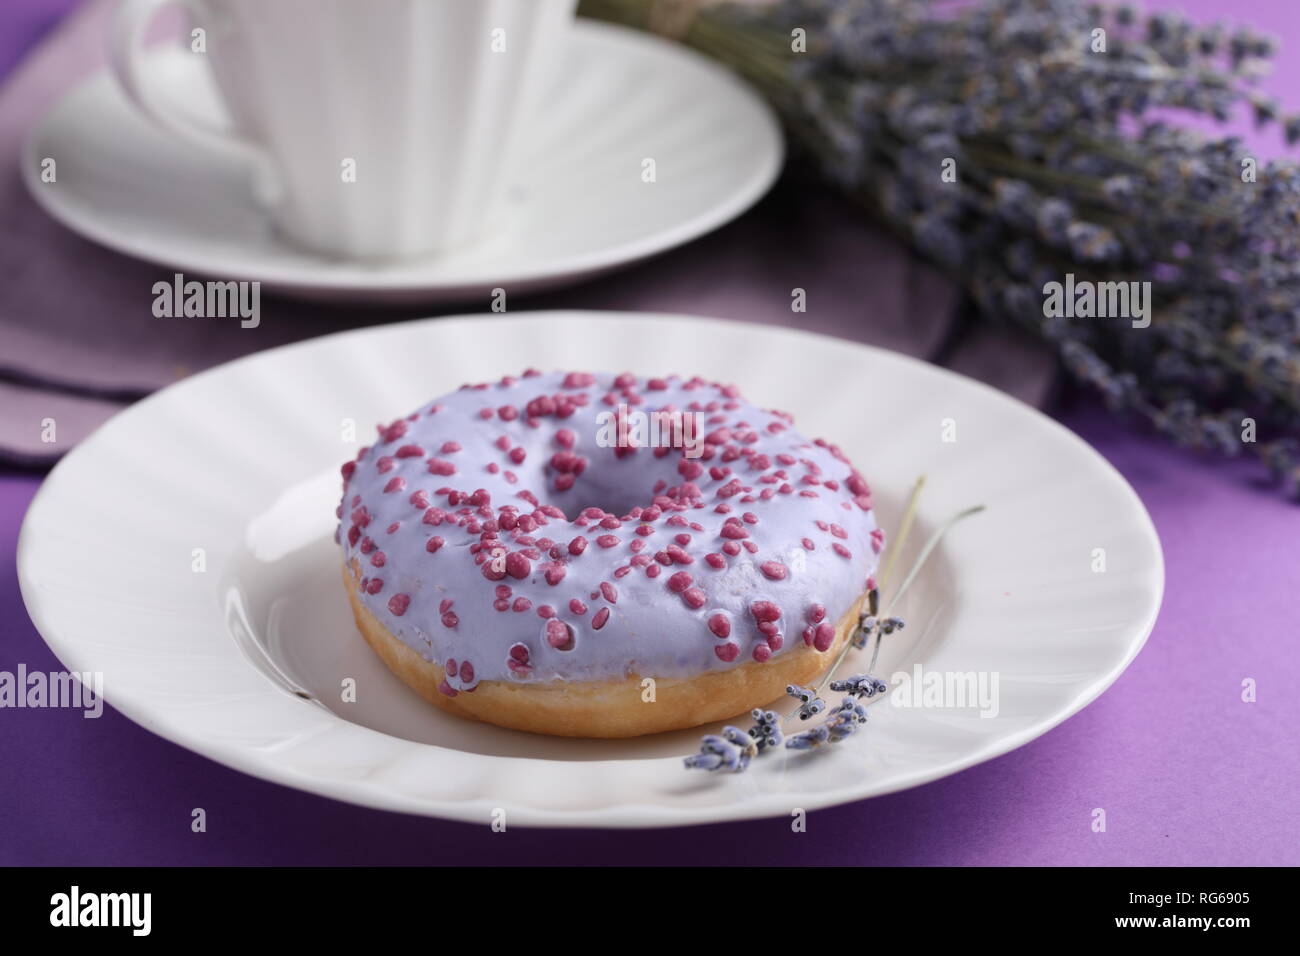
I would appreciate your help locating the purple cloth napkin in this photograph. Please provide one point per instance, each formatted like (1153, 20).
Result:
(77, 319)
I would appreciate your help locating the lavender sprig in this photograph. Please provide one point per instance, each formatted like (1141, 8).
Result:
(732, 750)
(810, 705)
(729, 751)
(860, 685)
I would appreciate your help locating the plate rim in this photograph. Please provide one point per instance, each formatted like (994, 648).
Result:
(616, 816)
(324, 279)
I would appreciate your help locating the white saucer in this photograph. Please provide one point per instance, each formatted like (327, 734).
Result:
(245, 662)
(584, 209)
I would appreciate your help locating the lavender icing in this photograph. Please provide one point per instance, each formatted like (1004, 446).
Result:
(498, 536)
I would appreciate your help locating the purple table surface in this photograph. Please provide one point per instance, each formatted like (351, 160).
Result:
(1187, 772)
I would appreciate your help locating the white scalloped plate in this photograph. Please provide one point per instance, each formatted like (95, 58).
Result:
(244, 662)
(581, 208)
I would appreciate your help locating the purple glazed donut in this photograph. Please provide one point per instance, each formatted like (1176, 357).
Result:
(603, 555)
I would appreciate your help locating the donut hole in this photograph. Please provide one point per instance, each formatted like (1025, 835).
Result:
(616, 498)
(616, 485)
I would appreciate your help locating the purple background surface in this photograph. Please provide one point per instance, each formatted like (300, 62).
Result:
(1187, 772)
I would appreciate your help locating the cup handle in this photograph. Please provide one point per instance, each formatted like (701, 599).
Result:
(125, 57)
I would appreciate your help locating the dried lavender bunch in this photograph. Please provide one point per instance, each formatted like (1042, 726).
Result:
(1058, 164)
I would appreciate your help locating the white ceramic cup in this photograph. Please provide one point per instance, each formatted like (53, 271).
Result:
(381, 129)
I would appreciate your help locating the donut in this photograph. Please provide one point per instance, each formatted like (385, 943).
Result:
(599, 555)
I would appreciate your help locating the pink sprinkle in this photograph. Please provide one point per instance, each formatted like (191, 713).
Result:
(394, 484)
(824, 636)
(517, 455)
(607, 540)
(577, 606)
(445, 605)
(545, 611)
(378, 559)
(601, 616)
(765, 611)
(578, 545)
(842, 551)
(519, 653)
(521, 604)
(555, 574)
(450, 619)
(727, 652)
(518, 566)
(440, 466)
(720, 625)
(409, 451)
(694, 597)
(447, 690)
(680, 582)
(609, 592)
(774, 570)
(816, 613)
(677, 554)
(540, 407)
(762, 652)
(398, 604)
(559, 635)
(808, 544)
(715, 560)
(565, 438)
(433, 544)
